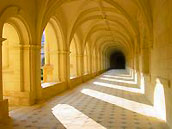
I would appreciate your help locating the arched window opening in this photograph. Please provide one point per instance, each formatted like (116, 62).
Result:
(117, 61)
(49, 56)
(42, 54)
(73, 59)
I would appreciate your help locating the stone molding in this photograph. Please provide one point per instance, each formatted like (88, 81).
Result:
(36, 47)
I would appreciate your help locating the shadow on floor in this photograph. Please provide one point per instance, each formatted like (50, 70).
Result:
(89, 106)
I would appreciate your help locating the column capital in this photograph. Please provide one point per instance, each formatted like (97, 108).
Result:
(64, 52)
(33, 46)
(2, 39)
(80, 55)
(28, 46)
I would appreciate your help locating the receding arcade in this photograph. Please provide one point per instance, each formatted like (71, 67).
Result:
(48, 47)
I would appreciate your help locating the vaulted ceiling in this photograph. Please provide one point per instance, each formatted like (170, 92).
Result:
(108, 24)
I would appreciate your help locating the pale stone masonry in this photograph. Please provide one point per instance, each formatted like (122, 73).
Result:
(51, 46)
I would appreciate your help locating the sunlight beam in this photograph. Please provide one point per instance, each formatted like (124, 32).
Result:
(71, 118)
(118, 77)
(140, 108)
(116, 80)
(128, 89)
(159, 99)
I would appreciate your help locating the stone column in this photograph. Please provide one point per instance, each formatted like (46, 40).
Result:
(27, 73)
(1, 84)
(64, 69)
(90, 64)
(34, 59)
(96, 63)
(3, 103)
(17, 54)
(145, 60)
(80, 62)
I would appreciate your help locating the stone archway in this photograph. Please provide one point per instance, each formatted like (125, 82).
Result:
(14, 57)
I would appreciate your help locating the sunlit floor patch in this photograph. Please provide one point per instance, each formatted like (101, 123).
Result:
(48, 84)
(129, 89)
(103, 107)
(121, 102)
(117, 80)
(119, 73)
(71, 118)
(119, 77)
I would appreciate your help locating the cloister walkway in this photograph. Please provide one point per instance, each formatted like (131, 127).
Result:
(112, 100)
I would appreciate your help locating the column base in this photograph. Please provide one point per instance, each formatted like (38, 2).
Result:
(16, 98)
(4, 112)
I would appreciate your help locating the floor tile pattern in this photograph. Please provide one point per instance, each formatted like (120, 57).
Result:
(107, 115)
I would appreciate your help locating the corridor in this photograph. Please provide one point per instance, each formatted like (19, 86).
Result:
(112, 100)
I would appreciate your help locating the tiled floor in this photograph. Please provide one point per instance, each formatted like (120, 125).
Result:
(110, 101)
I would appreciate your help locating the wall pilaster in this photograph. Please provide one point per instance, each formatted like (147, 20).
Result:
(4, 115)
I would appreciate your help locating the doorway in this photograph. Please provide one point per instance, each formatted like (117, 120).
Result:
(117, 61)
